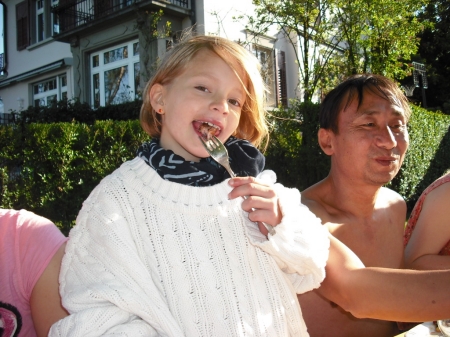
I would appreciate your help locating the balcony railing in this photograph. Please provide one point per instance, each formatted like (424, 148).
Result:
(74, 13)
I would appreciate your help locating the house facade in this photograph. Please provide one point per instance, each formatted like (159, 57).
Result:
(35, 68)
(103, 51)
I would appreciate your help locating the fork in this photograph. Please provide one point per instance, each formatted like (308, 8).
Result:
(219, 153)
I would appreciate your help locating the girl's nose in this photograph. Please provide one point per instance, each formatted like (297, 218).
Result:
(386, 138)
(220, 104)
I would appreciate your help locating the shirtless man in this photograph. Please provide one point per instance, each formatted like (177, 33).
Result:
(363, 130)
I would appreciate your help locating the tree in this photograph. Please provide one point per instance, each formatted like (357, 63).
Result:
(387, 38)
(336, 38)
(306, 25)
(434, 52)
(151, 27)
(348, 16)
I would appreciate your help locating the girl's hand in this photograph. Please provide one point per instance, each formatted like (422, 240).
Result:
(261, 201)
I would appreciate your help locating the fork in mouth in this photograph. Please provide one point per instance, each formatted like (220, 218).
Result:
(219, 153)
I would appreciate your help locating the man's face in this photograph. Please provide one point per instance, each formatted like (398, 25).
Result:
(372, 141)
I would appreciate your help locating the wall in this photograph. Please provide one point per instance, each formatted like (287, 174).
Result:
(20, 62)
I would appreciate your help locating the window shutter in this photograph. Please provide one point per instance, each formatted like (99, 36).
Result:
(23, 36)
(280, 71)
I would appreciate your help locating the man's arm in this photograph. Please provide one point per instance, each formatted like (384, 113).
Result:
(381, 293)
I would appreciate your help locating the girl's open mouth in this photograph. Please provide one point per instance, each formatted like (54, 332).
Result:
(206, 129)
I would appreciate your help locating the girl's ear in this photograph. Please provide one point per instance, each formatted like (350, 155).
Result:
(156, 98)
(325, 138)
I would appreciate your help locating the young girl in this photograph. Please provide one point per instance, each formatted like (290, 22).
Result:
(161, 247)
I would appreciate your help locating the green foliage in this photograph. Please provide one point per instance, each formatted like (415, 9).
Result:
(150, 23)
(332, 39)
(293, 152)
(74, 110)
(428, 156)
(52, 168)
(119, 112)
(152, 26)
(379, 35)
(61, 111)
(307, 27)
(434, 51)
(388, 35)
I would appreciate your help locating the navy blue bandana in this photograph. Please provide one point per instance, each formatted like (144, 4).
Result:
(245, 160)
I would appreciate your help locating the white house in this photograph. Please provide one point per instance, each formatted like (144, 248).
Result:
(36, 68)
(103, 51)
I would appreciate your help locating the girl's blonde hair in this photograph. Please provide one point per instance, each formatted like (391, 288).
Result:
(252, 124)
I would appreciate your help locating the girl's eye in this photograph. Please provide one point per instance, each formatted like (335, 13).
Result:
(234, 102)
(201, 88)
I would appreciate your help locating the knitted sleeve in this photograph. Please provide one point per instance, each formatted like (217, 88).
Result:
(104, 282)
(300, 245)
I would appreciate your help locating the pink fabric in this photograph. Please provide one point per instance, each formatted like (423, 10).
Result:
(27, 244)
(418, 209)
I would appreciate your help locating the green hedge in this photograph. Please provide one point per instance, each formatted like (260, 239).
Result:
(293, 151)
(51, 168)
(76, 111)
(428, 156)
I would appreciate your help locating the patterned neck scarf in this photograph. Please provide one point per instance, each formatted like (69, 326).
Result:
(245, 160)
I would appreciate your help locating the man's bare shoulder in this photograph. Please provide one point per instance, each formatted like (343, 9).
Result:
(390, 198)
(312, 197)
(392, 205)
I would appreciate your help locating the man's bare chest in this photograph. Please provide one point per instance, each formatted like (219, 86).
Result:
(378, 244)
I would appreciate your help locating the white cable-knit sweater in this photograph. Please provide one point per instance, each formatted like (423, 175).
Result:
(149, 257)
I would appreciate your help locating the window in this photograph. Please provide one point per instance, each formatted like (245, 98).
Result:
(2, 39)
(55, 19)
(50, 91)
(265, 57)
(115, 74)
(22, 25)
(40, 20)
(273, 71)
(45, 22)
(35, 23)
(281, 81)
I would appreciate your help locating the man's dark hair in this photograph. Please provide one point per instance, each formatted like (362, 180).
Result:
(354, 87)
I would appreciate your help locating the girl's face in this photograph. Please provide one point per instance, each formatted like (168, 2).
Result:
(207, 91)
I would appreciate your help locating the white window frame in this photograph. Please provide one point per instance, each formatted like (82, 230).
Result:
(49, 24)
(40, 13)
(45, 95)
(266, 57)
(98, 68)
(54, 21)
